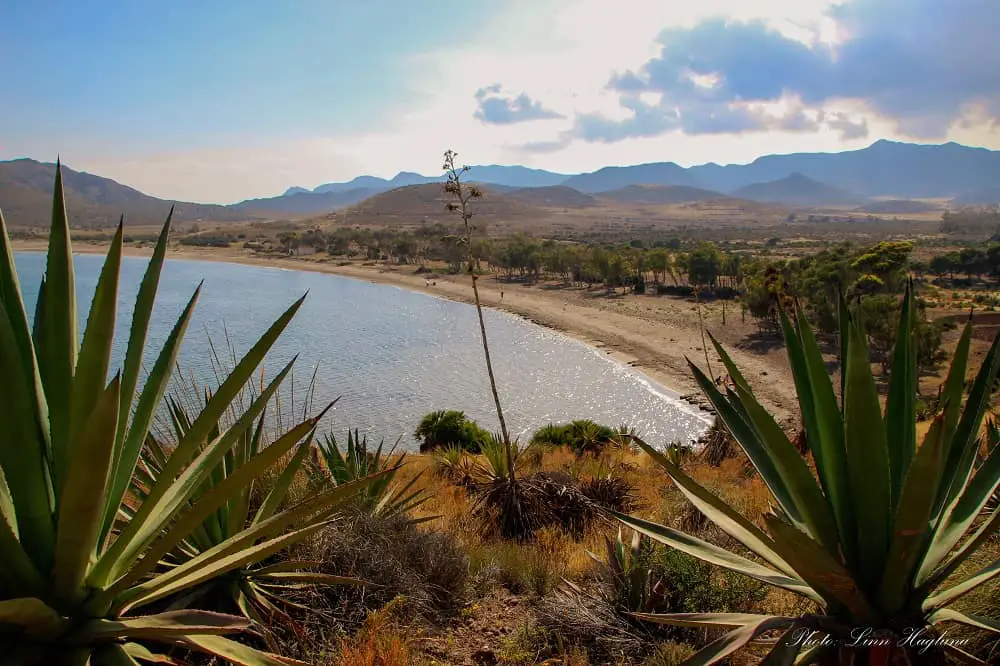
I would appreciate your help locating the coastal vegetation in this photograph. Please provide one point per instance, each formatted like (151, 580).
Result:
(224, 535)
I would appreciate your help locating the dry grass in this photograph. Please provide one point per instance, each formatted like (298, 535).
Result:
(379, 642)
(561, 628)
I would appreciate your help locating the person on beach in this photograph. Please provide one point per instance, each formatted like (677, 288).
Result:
(501, 295)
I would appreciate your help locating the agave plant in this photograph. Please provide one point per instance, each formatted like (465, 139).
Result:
(75, 580)
(878, 536)
(454, 463)
(258, 591)
(630, 583)
(379, 497)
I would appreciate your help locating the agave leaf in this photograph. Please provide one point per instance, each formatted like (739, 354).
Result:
(283, 578)
(161, 626)
(109, 654)
(314, 509)
(288, 565)
(945, 597)
(81, 505)
(206, 567)
(719, 556)
(95, 351)
(126, 546)
(21, 455)
(59, 324)
(965, 447)
(816, 517)
(959, 519)
(150, 397)
(236, 653)
(868, 458)
(784, 652)
(971, 620)
(951, 398)
(173, 489)
(31, 614)
(703, 620)
(210, 500)
(239, 505)
(141, 315)
(844, 324)
(13, 306)
(10, 299)
(279, 491)
(989, 527)
(824, 425)
(751, 443)
(913, 518)
(729, 643)
(141, 652)
(720, 513)
(962, 656)
(901, 404)
(18, 575)
(821, 570)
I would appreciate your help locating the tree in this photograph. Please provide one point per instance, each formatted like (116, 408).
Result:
(618, 268)
(658, 261)
(973, 261)
(703, 265)
(944, 264)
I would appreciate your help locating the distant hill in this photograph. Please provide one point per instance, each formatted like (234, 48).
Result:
(797, 190)
(92, 201)
(615, 178)
(493, 174)
(660, 194)
(306, 202)
(885, 168)
(417, 204)
(899, 207)
(553, 196)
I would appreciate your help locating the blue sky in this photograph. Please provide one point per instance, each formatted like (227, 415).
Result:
(224, 100)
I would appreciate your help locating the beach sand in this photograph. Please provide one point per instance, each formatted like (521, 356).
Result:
(651, 333)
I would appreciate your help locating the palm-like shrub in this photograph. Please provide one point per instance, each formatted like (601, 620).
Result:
(582, 436)
(356, 462)
(449, 427)
(81, 558)
(877, 536)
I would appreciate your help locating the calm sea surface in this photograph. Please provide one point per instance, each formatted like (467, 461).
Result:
(391, 355)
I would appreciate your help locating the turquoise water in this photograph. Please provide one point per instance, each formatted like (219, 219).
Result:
(389, 354)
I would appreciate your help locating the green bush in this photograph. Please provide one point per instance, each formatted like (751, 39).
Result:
(580, 436)
(445, 428)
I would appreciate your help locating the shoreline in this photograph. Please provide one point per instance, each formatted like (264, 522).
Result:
(656, 344)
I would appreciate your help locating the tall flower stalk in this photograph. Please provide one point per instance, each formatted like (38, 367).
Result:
(463, 196)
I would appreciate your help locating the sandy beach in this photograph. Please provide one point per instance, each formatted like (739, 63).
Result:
(651, 333)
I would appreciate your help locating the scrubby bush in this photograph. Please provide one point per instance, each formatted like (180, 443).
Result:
(611, 492)
(428, 568)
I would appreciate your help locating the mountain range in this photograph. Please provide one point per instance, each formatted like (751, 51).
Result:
(887, 176)
(885, 169)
